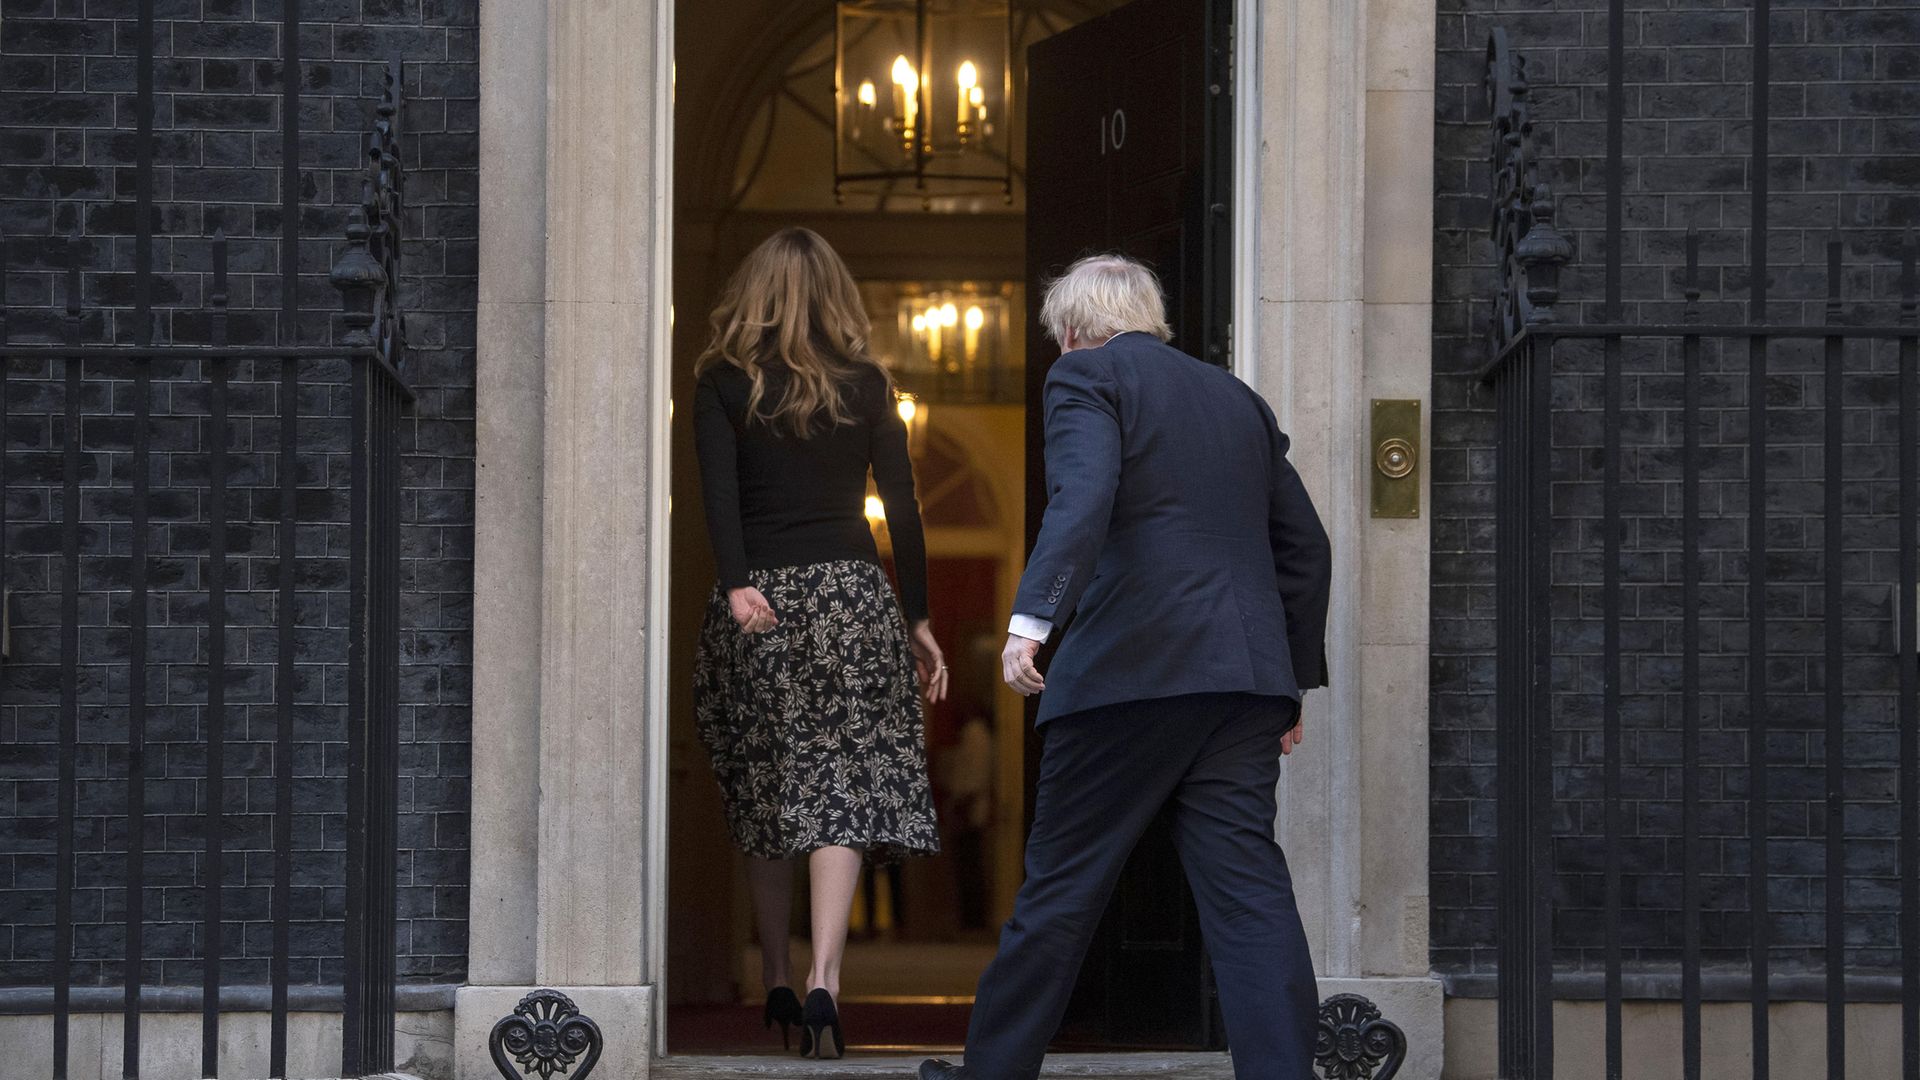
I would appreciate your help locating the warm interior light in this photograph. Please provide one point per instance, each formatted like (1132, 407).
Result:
(976, 318)
(876, 511)
(908, 408)
(906, 99)
(919, 324)
(949, 315)
(892, 120)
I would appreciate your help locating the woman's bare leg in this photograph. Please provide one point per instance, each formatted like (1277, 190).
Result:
(771, 882)
(834, 872)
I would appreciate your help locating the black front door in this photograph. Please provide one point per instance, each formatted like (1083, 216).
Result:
(1128, 121)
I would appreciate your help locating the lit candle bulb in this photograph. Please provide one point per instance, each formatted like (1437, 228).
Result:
(975, 320)
(905, 101)
(949, 318)
(969, 79)
(863, 111)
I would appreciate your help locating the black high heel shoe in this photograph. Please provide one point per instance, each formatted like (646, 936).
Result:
(820, 1035)
(783, 1008)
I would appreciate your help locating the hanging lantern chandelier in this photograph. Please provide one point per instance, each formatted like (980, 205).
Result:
(922, 93)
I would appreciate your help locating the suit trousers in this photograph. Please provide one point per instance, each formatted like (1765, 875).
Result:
(1105, 774)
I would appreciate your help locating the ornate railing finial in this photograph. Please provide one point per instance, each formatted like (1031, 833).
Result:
(1356, 1042)
(368, 272)
(361, 281)
(544, 1036)
(1541, 251)
(1530, 250)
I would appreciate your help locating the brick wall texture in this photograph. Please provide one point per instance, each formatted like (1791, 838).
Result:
(1845, 162)
(67, 156)
(1846, 122)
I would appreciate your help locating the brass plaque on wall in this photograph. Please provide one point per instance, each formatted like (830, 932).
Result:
(1396, 458)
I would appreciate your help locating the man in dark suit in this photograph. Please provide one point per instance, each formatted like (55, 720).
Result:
(1188, 557)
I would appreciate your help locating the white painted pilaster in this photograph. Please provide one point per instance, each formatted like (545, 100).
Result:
(510, 390)
(594, 904)
(569, 581)
(1313, 129)
(1345, 296)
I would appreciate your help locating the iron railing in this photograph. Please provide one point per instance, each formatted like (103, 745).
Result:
(102, 486)
(1588, 483)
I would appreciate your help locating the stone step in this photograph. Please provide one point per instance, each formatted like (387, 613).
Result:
(1166, 1066)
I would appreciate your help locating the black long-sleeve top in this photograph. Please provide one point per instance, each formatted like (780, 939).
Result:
(775, 499)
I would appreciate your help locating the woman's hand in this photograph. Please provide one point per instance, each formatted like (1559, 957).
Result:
(751, 610)
(928, 662)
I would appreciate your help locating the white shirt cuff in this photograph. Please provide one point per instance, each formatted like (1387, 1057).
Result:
(1030, 627)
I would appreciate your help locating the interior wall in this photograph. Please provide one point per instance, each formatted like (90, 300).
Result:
(995, 440)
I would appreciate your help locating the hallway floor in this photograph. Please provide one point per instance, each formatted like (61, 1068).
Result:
(893, 996)
(870, 1028)
(922, 972)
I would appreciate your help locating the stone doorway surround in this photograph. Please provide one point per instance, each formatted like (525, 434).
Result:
(1333, 306)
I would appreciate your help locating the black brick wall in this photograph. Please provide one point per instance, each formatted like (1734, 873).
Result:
(66, 166)
(1845, 138)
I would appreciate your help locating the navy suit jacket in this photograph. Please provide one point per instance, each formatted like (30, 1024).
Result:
(1177, 538)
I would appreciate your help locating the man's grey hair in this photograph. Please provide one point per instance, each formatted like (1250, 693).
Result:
(1103, 295)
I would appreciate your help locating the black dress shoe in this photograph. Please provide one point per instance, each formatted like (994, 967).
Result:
(935, 1069)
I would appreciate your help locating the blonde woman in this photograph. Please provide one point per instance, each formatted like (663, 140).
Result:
(808, 681)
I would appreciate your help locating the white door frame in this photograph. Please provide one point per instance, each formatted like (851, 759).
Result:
(1245, 342)
(659, 509)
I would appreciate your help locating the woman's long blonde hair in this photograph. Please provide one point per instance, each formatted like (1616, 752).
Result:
(793, 305)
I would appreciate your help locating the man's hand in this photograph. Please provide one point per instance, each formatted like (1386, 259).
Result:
(1295, 735)
(1016, 665)
(751, 610)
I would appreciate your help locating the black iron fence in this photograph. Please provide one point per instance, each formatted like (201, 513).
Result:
(173, 518)
(1706, 535)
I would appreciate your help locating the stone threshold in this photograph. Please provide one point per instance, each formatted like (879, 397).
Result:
(1171, 1066)
(377, 1076)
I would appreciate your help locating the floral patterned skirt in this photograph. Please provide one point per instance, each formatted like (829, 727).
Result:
(814, 727)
